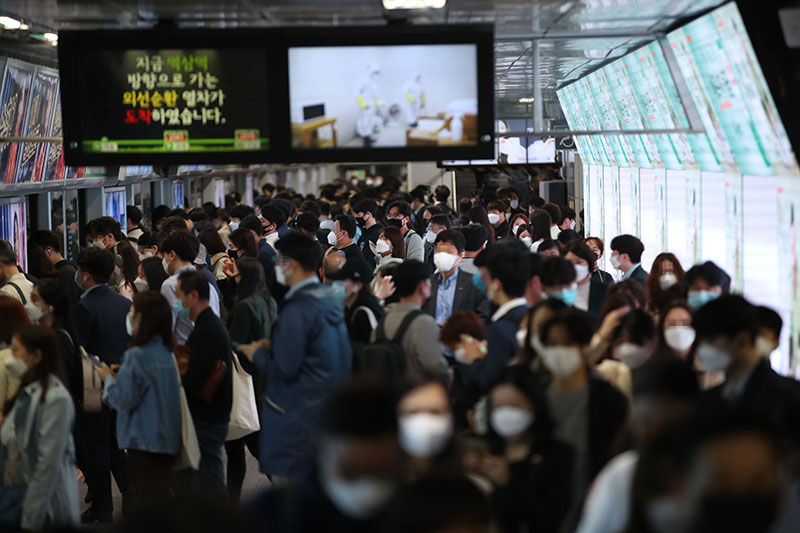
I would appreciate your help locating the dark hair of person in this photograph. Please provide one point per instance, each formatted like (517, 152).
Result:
(310, 206)
(307, 221)
(463, 323)
(302, 248)
(655, 294)
(180, 213)
(556, 271)
(55, 295)
(567, 236)
(769, 319)
(404, 208)
(567, 213)
(525, 381)
(174, 223)
(184, 244)
(628, 244)
(347, 224)
(243, 239)
(155, 319)
(478, 215)
(540, 223)
(366, 206)
(442, 193)
(198, 214)
(451, 236)
(39, 338)
(578, 326)
(106, 225)
(666, 376)
(159, 213)
(154, 272)
(252, 223)
(513, 219)
(12, 317)
(464, 205)
(639, 326)
(191, 280)
(409, 274)
(526, 352)
(554, 211)
(615, 300)
(46, 239)
(98, 263)
(130, 262)
(212, 241)
(39, 266)
(711, 274)
(509, 267)
(475, 236)
(360, 410)
(581, 249)
(726, 316)
(549, 244)
(148, 239)
(597, 242)
(395, 236)
(252, 278)
(287, 207)
(210, 208)
(223, 215)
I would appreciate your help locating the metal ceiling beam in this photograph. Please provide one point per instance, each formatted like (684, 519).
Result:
(587, 34)
(561, 133)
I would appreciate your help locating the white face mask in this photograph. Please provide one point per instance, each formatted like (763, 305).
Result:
(514, 229)
(581, 272)
(712, 358)
(382, 246)
(15, 367)
(145, 255)
(234, 226)
(510, 422)
(360, 498)
(514, 204)
(632, 354)
(521, 335)
(424, 434)
(764, 346)
(494, 218)
(444, 262)
(572, 225)
(430, 236)
(679, 338)
(460, 355)
(98, 243)
(34, 312)
(165, 265)
(527, 241)
(280, 277)
(129, 325)
(615, 262)
(332, 238)
(561, 360)
(667, 280)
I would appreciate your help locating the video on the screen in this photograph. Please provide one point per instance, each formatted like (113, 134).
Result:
(388, 96)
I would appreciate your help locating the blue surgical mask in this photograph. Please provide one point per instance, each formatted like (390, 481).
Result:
(179, 309)
(479, 284)
(358, 234)
(568, 295)
(339, 288)
(697, 299)
(78, 283)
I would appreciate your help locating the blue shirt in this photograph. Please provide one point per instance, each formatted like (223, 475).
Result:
(184, 326)
(293, 290)
(444, 298)
(629, 273)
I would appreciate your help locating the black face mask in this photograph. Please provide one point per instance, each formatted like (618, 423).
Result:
(361, 221)
(233, 254)
(753, 513)
(395, 223)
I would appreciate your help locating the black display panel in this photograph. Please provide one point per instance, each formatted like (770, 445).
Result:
(392, 93)
(165, 96)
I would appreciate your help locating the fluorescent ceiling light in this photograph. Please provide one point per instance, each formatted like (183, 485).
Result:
(526, 100)
(24, 27)
(52, 37)
(413, 4)
(10, 24)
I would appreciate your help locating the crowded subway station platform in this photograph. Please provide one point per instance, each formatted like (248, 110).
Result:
(400, 266)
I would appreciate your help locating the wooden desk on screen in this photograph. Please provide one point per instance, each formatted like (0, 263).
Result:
(307, 131)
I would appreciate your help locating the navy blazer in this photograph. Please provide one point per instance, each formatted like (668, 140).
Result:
(502, 346)
(639, 274)
(99, 319)
(466, 298)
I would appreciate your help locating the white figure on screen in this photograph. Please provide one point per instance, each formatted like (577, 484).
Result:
(414, 99)
(368, 118)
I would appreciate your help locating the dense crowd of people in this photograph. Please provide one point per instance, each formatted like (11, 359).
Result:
(395, 365)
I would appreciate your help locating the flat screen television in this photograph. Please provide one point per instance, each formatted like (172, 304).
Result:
(165, 96)
(13, 227)
(390, 93)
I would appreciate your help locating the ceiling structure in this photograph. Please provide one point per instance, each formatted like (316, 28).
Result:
(574, 36)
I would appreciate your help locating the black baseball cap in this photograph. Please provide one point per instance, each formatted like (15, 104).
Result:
(354, 269)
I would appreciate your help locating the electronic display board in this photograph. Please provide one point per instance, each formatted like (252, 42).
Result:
(13, 228)
(592, 118)
(14, 95)
(718, 50)
(601, 94)
(164, 96)
(38, 122)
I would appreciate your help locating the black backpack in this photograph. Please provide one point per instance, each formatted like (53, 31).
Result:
(385, 358)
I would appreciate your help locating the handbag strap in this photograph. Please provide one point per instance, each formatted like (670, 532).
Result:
(373, 322)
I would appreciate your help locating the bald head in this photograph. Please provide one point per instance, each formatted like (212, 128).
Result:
(331, 263)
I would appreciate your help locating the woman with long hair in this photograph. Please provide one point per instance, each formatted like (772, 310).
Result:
(145, 393)
(36, 435)
(479, 215)
(12, 318)
(391, 248)
(540, 223)
(662, 282)
(152, 271)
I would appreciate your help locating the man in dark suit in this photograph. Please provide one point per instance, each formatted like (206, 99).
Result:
(99, 319)
(626, 255)
(266, 253)
(726, 330)
(344, 231)
(451, 289)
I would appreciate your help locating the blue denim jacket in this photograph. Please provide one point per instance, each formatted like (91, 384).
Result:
(43, 431)
(146, 395)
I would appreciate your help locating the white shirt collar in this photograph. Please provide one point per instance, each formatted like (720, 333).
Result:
(508, 306)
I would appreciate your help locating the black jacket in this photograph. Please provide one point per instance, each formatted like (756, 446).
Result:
(99, 319)
(466, 298)
(597, 296)
(602, 275)
(539, 493)
(352, 252)
(608, 412)
(65, 274)
(358, 323)
(369, 235)
(208, 343)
